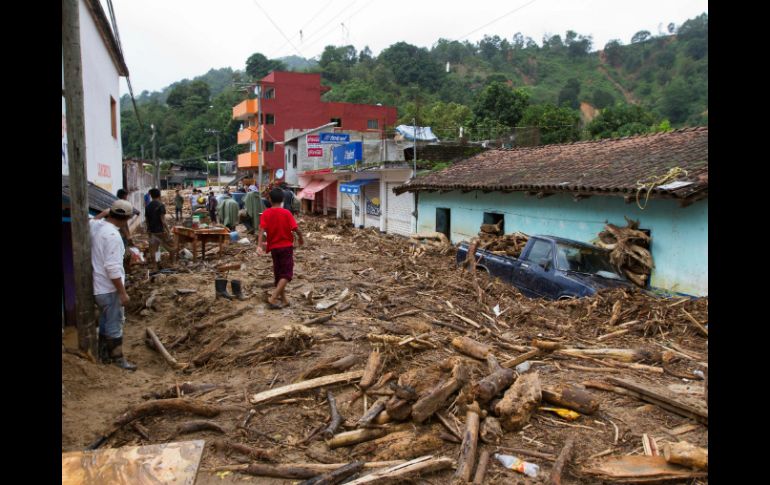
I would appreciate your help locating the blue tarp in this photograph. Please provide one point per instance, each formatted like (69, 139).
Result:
(354, 187)
(423, 133)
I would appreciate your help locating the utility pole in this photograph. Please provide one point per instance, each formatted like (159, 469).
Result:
(219, 173)
(155, 159)
(258, 92)
(81, 234)
(414, 127)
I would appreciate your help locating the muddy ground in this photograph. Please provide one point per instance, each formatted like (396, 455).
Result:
(379, 280)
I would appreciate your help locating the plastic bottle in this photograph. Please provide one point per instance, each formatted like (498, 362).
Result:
(523, 367)
(518, 465)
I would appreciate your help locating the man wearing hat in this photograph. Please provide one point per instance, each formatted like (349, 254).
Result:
(107, 251)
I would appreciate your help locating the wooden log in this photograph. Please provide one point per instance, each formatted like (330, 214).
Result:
(142, 430)
(546, 345)
(467, 320)
(336, 418)
(372, 369)
(667, 402)
(435, 399)
(336, 476)
(563, 459)
(198, 425)
(687, 454)
(155, 343)
(350, 438)
(491, 432)
(481, 468)
(212, 348)
(623, 355)
(315, 468)
(398, 409)
(279, 471)
(410, 469)
(467, 460)
(526, 452)
(376, 408)
(697, 324)
(253, 452)
(383, 418)
(571, 397)
(321, 319)
(186, 388)
(522, 358)
(638, 469)
(449, 426)
(490, 386)
(165, 405)
(304, 386)
(471, 347)
(519, 401)
(331, 365)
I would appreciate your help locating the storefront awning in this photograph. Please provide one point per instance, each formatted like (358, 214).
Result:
(314, 186)
(354, 187)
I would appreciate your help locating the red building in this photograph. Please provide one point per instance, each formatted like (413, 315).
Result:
(293, 100)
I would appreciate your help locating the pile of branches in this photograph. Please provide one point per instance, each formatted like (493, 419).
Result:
(422, 242)
(629, 250)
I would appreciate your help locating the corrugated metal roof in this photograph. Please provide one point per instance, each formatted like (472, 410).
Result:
(98, 198)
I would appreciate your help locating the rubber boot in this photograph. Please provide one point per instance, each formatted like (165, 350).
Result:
(221, 286)
(237, 290)
(116, 352)
(104, 350)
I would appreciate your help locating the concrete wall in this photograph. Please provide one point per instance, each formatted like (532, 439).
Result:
(679, 234)
(100, 82)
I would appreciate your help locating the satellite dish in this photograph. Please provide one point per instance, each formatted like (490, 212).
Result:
(279, 173)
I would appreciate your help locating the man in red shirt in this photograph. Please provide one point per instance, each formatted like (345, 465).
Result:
(279, 225)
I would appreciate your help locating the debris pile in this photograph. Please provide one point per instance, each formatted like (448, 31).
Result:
(629, 250)
(417, 368)
(492, 239)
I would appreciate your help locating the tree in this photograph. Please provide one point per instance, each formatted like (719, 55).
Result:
(613, 52)
(577, 45)
(555, 124)
(676, 101)
(601, 99)
(569, 94)
(259, 66)
(412, 64)
(672, 28)
(621, 120)
(640, 36)
(499, 103)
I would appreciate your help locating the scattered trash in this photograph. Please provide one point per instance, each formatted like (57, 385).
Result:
(234, 236)
(497, 311)
(567, 414)
(699, 373)
(186, 253)
(244, 241)
(518, 465)
(136, 255)
(523, 367)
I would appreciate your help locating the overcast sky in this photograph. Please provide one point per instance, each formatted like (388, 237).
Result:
(168, 40)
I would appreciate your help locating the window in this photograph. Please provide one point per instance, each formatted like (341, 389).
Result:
(495, 218)
(372, 124)
(541, 251)
(337, 120)
(114, 117)
(269, 146)
(269, 93)
(294, 160)
(269, 119)
(442, 221)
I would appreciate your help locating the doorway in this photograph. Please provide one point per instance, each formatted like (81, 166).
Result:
(443, 222)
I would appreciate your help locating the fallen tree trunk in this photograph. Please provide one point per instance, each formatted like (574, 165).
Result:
(164, 405)
(519, 401)
(430, 403)
(154, 342)
(687, 454)
(412, 468)
(571, 397)
(199, 425)
(623, 355)
(356, 436)
(481, 468)
(304, 386)
(561, 461)
(467, 458)
(500, 378)
(336, 418)
(256, 453)
(372, 369)
(213, 346)
(468, 346)
(376, 408)
(336, 476)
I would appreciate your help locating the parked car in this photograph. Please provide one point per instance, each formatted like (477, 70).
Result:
(551, 267)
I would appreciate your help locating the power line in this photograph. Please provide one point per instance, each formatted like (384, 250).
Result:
(495, 20)
(328, 32)
(278, 50)
(276, 27)
(327, 23)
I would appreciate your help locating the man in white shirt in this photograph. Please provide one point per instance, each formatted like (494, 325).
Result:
(107, 251)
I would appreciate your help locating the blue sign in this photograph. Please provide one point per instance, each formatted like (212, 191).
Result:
(347, 154)
(335, 137)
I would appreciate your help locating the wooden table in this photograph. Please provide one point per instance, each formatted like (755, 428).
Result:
(218, 235)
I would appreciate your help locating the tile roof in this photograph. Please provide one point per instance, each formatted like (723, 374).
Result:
(98, 198)
(608, 167)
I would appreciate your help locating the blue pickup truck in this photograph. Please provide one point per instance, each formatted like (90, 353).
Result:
(551, 267)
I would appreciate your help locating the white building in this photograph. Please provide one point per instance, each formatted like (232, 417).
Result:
(103, 64)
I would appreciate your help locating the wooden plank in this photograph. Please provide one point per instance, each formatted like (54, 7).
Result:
(424, 464)
(265, 396)
(655, 397)
(639, 469)
(168, 463)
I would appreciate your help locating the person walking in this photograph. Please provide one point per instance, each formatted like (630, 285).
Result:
(228, 211)
(155, 216)
(280, 227)
(107, 251)
(253, 205)
(211, 205)
(178, 204)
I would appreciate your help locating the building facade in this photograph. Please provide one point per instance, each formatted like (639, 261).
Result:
(573, 190)
(291, 100)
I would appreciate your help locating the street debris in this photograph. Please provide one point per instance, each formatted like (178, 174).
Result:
(388, 367)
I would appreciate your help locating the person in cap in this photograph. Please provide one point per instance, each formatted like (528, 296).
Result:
(155, 217)
(107, 251)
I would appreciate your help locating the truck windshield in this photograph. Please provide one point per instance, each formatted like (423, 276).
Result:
(584, 259)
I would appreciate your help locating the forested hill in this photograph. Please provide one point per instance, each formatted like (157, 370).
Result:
(558, 84)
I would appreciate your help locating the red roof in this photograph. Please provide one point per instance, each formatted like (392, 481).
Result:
(610, 167)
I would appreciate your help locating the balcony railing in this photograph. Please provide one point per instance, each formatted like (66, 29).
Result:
(245, 109)
(248, 160)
